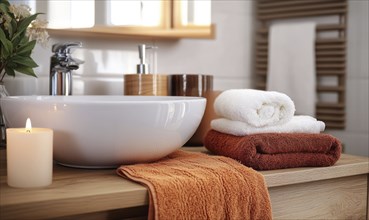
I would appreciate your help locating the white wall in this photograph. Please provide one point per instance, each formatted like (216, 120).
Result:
(355, 136)
(229, 58)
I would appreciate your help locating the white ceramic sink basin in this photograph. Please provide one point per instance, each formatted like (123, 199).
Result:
(107, 131)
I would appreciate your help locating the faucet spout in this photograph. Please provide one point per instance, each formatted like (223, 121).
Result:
(61, 66)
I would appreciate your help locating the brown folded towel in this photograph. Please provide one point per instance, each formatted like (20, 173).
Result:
(276, 150)
(188, 185)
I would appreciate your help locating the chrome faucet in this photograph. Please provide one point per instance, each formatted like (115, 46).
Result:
(61, 65)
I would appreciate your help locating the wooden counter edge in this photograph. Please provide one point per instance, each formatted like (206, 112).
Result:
(347, 166)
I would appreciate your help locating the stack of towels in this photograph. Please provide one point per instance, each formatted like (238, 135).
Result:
(259, 129)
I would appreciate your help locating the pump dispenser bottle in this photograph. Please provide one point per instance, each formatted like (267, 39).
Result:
(142, 67)
(144, 82)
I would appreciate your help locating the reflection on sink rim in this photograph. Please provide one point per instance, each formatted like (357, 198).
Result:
(106, 99)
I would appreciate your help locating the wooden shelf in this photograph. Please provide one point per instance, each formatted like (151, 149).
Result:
(137, 32)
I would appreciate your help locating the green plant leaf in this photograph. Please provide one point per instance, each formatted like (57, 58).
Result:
(26, 49)
(24, 40)
(16, 42)
(26, 70)
(11, 64)
(6, 45)
(4, 6)
(11, 28)
(5, 2)
(25, 61)
(9, 71)
(3, 53)
(24, 23)
(2, 35)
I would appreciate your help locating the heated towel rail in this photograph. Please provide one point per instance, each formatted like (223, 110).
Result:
(330, 51)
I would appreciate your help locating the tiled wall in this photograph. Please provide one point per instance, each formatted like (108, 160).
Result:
(229, 58)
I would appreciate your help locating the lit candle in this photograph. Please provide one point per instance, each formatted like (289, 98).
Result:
(29, 156)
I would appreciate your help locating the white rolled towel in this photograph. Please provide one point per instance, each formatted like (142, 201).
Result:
(255, 107)
(298, 124)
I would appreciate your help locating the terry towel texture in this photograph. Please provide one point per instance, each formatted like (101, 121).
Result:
(254, 107)
(187, 185)
(276, 151)
(298, 124)
(291, 67)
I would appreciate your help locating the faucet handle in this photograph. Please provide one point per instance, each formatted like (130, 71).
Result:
(65, 48)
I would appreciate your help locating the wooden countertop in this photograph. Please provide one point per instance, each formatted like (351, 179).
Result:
(80, 191)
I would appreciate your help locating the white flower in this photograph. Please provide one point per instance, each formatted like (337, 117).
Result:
(20, 11)
(39, 23)
(37, 31)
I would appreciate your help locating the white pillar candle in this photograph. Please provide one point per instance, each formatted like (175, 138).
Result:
(29, 156)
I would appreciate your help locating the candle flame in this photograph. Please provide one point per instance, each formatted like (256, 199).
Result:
(28, 125)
